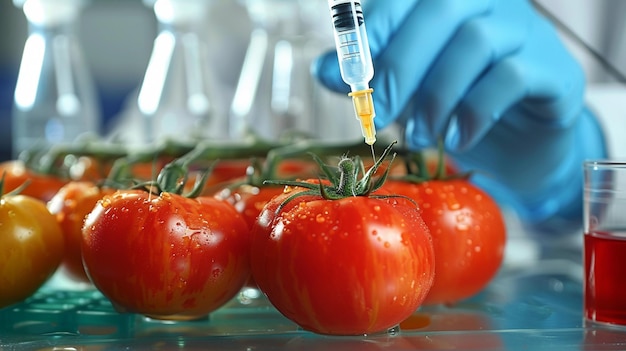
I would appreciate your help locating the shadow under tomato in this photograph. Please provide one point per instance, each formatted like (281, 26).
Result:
(443, 328)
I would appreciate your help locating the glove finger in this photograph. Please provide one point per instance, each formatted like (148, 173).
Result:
(411, 50)
(503, 86)
(474, 48)
(383, 18)
(326, 68)
(556, 81)
(415, 132)
(541, 77)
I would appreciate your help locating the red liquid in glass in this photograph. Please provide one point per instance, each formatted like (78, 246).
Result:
(605, 277)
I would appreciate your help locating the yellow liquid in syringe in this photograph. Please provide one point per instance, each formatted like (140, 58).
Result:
(364, 109)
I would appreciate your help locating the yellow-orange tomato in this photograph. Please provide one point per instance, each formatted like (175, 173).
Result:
(31, 247)
(71, 204)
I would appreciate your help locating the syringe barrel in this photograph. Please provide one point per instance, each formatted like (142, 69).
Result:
(355, 59)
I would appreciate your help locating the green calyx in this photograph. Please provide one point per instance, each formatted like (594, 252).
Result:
(417, 170)
(348, 179)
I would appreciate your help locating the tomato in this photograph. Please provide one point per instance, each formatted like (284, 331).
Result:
(249, 194)
(40, 186)
(87, 168)
(468, 233)
(225, 173)
(71, 204)
(166, 256)
(31, 247)
(352, 266)
(248, 199)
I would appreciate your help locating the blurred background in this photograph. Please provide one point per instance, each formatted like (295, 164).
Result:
(117, 38)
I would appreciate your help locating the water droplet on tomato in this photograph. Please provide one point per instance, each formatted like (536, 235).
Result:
(387, 244)
(374, 232)
(462, 227)
(216, 272)
(320, 218)
(376, 208)
(106, 202)
(22, 234)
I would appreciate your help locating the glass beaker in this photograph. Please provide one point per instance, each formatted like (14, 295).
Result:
(276, 92)
(175, 98)
(55, 99)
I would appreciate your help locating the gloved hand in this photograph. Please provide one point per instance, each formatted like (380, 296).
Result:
(494, 81)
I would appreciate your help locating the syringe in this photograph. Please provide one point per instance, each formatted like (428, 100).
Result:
(355, 60)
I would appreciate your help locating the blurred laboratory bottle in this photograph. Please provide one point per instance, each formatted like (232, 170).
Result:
(276, 93)
(175, 101)
(55, 98)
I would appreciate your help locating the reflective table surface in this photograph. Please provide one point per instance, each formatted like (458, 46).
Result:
(534, 303)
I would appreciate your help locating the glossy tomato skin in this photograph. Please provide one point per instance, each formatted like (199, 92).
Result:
(40, 186)
(342, 267)
(166, 256)
(249, 200)
(31, 247)
(468, 231)
(71, 204)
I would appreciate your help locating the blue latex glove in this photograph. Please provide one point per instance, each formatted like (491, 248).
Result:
(493, 79)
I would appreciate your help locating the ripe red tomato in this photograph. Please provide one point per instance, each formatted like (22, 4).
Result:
(31, 247)
(40, 186)
(71, 204)
(468, 232)
(87, 168)
(352, 266)
(227, 172)
(166, 256)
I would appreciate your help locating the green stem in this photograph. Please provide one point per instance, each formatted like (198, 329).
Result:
(347, 177)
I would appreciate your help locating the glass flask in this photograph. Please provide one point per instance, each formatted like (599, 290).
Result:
(175, 101)
(276, 93)
(55, 99)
